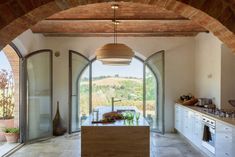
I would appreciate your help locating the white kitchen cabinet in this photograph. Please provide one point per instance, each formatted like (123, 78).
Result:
(177, 117)
(233, 146)
(189, 123)
(186, 122)
(197, 130)
(224, 143)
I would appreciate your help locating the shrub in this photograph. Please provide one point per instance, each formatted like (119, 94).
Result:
(12, 130)
(6, 95)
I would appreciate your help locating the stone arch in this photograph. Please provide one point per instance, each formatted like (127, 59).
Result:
(14, 61)
(217, 16)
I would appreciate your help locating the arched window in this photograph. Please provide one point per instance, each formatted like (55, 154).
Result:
(121, 86)
(95, 86)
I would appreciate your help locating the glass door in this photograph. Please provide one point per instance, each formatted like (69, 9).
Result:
(79, 90)
(154, 91)
(39, 94)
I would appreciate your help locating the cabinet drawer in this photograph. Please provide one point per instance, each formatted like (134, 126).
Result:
(224, 139)
(224, 128)
(198, 122)
(227, 129)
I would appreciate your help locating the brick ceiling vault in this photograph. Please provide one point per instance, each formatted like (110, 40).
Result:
(217, 16)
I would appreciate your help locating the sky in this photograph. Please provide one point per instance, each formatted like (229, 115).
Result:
(4, 64)
(135, 69)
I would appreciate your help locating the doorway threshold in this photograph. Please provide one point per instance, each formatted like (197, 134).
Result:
(6, 149)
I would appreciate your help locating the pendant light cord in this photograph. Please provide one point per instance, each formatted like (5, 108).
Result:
(115, 26)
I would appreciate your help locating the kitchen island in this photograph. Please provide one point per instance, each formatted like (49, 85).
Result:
(118, 139)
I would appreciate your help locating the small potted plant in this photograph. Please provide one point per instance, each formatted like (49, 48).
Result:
(12, 134)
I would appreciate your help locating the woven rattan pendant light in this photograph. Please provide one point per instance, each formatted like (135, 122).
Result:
(115, 53)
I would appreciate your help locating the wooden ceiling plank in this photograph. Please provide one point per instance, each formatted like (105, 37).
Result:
(126, 10)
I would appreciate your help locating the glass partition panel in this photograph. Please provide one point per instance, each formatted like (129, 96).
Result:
(84, 95)
(39, 95)
(79, 90)
(151, 98)
(155, 64)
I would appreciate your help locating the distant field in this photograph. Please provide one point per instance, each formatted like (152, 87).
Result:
(112, 81)
(129, 90)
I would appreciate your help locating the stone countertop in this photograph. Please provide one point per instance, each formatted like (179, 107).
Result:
(118, 123)
(227, 121)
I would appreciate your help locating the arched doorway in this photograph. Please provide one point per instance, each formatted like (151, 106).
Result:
(9, 93)
(138, 86)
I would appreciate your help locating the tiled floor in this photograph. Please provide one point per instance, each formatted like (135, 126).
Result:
(5, 147)
(169, 145)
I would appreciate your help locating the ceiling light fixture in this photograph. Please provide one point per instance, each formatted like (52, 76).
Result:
(115, 53)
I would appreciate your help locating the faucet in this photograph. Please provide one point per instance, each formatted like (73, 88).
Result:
(113, 101)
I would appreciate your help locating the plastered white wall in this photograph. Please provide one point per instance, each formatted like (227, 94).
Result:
(179, 78)
(27, 42)
(227, 77)
(208, 67)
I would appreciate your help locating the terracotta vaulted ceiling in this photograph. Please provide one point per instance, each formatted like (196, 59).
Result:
(135, 20)
(216, 16)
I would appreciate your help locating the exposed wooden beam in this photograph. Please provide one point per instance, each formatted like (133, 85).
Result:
(158, 34)
(137, 26)
(119, 18)
(123, 20)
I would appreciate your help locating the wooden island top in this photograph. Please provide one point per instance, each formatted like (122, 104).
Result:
(118, 139)
(141, 122)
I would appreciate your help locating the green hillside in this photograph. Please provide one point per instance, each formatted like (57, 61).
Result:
(129, 90)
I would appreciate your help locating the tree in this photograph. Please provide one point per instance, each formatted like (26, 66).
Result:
(150, 86)
(6, 95)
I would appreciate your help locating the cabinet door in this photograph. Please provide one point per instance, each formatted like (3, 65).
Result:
(190, 125)
(182, 119)
(224, 141)
(177, 117)
(186, 123)
(197, 130)
(233, 141)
